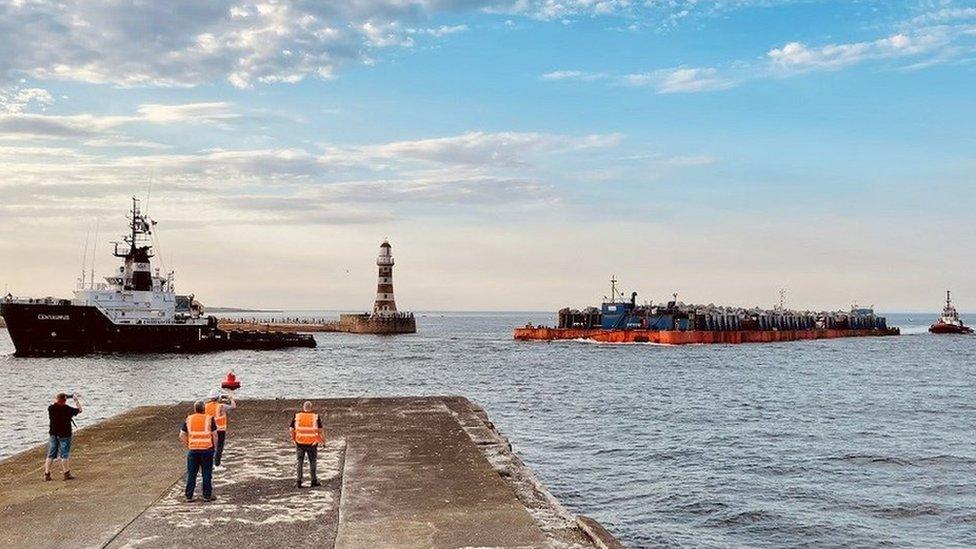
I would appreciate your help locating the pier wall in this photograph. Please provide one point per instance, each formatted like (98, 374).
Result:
(402, 323)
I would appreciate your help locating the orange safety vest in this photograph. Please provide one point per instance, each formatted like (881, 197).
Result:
(306, 428)
(215, 409)
(198, 433)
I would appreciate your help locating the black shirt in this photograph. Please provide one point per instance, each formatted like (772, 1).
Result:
(213, 425)
(60, 416)
(318, 424)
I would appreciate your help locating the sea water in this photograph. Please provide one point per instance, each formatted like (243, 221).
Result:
(865, 442)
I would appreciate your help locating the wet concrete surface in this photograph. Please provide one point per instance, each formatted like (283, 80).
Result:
(395, 472)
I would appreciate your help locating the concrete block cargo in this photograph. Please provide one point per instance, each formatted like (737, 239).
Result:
(675, 323)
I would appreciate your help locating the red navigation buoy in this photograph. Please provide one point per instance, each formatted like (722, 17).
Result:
(230, 382)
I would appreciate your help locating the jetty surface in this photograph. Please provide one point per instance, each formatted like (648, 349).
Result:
(426, 472)
(364, 323)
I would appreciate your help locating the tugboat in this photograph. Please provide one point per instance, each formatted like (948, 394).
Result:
(135, 311)
(949, 322)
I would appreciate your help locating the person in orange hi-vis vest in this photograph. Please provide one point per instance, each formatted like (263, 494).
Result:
(199, 433)
(217, 409)
(307, 432)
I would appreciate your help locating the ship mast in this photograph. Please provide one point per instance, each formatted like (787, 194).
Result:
(139, 226)
(136, 273)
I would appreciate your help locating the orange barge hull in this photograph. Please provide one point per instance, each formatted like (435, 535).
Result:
(691, 337)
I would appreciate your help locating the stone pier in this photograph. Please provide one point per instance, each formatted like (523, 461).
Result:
(427, 472)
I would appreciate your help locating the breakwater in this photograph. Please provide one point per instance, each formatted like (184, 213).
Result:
(363, 323)
(395, 472)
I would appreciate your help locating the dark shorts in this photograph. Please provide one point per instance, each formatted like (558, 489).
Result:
(58, 447)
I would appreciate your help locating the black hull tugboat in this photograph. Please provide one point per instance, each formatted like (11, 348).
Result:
(135, 311)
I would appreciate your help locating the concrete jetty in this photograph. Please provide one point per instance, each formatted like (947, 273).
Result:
(359, 323)
(426, 472)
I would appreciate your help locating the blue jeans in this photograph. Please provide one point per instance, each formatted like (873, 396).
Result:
(58, 447)
(199, 461)
(221, 437)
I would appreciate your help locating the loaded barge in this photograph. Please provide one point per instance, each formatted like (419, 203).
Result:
(134, 311)
(676, 323)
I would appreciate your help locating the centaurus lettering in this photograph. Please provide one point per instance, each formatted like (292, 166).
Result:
(53, 317)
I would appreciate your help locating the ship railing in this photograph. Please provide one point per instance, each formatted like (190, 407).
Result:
(88, 287)
(144, 321)
(36, 300)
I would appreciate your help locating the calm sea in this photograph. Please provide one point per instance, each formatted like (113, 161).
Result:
(865, 442)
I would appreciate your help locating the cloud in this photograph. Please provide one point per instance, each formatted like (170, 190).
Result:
(581, 76)
(476, 148)
(41, 126)
(187, 42)
(187, 112)
(453, 188)
(925, 46)
(438, 32)
(103, 131)
(15, 99)
(246, 42)
(797, 56)
(673, 80)
(944, 15)
(681, 80)
(293, 186)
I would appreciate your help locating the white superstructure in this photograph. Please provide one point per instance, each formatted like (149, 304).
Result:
(133, 295)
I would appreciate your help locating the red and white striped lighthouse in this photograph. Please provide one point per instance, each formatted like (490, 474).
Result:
(385, 304)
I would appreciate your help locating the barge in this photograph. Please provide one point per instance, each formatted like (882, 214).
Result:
(676, 323)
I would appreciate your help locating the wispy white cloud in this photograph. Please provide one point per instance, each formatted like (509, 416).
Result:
(289, 185)
(104, 131)
(672, 80)
(681, 80)
(437, 32)
(947, 14)
(187, 112)
(476, 148)
(798, 56)
(915, 48)
(582, 76)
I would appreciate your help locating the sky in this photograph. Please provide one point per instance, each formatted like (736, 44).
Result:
(516, 153)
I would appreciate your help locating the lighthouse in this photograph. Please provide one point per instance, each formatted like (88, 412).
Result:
(385, 304)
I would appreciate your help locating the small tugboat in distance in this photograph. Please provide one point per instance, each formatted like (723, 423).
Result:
(134, 311)
(949, 322)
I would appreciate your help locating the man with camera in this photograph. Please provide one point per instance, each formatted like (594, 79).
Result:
(60, 416)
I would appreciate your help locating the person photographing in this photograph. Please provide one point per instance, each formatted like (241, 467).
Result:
(60, 416)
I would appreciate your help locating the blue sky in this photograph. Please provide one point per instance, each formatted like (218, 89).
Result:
(516, 153)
